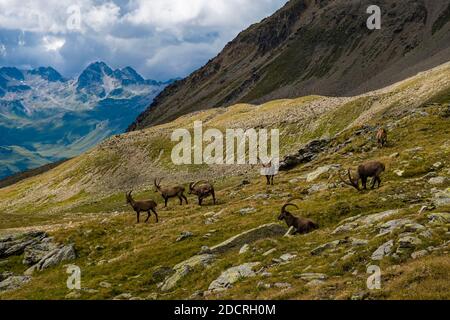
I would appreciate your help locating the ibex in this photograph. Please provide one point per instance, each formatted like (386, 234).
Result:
(268, 171)
(382, 137)
(167, 193)
(301, 225)
(202, 189)
(372, 169)
(142, 206)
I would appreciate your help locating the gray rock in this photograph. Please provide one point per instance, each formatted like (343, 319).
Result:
(439, 218)
(359, 242)
(269, 252)
(438, 181)
(442, 198)
(184, 268)
(393, 225)
(246, 211)
(327, 246)
(282, 285)
(321, 171)
(383, 251)
(313, 276)
(265, 231)
(123, 296)
(232, 275)
(287, 257)
(315, 283)
(36, 251)
(244, 249)
(360, 222)
(185, 235)
(318, 188)
(409, 242)
(14, 283)
(419, 254)
(73, 295)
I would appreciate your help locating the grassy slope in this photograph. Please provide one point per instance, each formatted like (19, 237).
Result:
(111, 247)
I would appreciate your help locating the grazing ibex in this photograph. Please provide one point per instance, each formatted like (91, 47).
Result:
(382, 137)
(172, 192)
(142, 206)
(268, 170)
(301, 225)
(372, 169)
(202, 189)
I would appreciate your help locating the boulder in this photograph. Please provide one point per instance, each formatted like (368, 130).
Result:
(313, 276)
(184, 268)
(383, 251)
(360, 221)
(442, 198)
(321, 171)
(439, 218)
(306, 154)
(409, 242)
(14, 283)
(393, 225)
(250, 236)
(185, 235)
(438, 181)
(232, 275)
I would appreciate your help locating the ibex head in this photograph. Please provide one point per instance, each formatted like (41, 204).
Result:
(129, 197)
(192, 185)
(353, 182)
(157, 183)
(284, 212)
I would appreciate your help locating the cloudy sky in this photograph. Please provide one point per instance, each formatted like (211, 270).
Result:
(161, 39)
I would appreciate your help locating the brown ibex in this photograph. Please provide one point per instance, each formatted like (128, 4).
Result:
(172, 192)
(142, 206)
(382, 137)
(301, 225)
(372, 169)
(268, 171)
(202, 189)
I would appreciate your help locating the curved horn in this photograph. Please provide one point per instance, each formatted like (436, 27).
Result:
(283, 210)
(346, 182)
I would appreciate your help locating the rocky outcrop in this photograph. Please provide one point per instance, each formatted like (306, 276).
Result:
(265, 231)
(39, 251)
(184, 268)
(232, 275)
(360, 222)
(306, 154)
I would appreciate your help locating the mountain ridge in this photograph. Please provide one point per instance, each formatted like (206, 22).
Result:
(319, 47)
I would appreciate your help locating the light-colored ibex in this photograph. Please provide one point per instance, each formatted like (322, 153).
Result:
(171, 192)
(202, 189)
(268, 170)
(382, 137)
(371, 169)
(142, 206)
(301, 225)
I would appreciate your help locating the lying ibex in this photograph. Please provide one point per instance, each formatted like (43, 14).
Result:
(301, 225)
(382, 137)
(167, 193)
(142, 206)
(372, 169)
(202, 189)
(268, 171)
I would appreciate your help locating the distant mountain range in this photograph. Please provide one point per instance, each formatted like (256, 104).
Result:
(45, 117)
(320, 47)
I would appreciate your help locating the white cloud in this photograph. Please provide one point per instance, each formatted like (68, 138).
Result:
(2, 50)
(53, 43)
(160, 38)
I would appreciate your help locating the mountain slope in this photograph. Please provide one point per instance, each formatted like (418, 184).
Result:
(45, 118)
(82, 201)
(313, 47)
